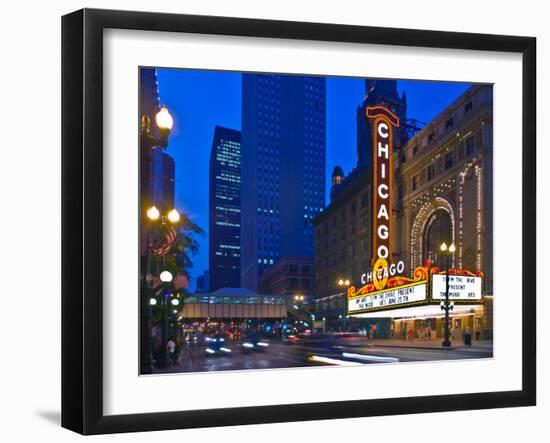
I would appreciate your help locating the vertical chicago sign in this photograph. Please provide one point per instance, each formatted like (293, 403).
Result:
(383, 122)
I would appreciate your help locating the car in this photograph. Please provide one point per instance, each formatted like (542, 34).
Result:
(291, 338)
(253, 342)
(192, 337)
(215, 345)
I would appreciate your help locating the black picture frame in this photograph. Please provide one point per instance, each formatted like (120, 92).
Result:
(82, 231)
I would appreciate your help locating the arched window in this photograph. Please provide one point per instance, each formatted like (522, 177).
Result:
(438, 230)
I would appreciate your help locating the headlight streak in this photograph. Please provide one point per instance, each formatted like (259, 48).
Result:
(333, 361)
(374, 358)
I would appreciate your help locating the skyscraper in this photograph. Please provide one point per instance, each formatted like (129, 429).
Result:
(225, 209)
(203, 283)
(283, 168)
(163, 183)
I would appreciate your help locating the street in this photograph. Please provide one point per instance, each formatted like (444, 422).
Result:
(322, 351)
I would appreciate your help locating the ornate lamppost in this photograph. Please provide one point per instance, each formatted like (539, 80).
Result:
(447, 306)
(149, 141)
(344, 283)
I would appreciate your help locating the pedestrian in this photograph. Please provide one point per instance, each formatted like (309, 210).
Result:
(411, 334)
(468, 337)
(171, 349)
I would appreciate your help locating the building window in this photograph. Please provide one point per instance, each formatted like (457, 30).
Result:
(400, 192)
(430, 172)
(470, 146)
(413, 183)
(364, 200)
(460, 152)
(449, 160)
(449, 123)
(468, 107)
(415, 150)
(353, 208)
(431, 137)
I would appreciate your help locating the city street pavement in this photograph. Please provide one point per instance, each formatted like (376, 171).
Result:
(322, 352)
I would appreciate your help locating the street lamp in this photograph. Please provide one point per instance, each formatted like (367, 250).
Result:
(156, 219)
(344, 283)
(446, 305)
(166, 278)
(164, 123)
(148, 142)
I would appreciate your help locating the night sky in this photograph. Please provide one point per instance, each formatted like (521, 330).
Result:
(200, 100)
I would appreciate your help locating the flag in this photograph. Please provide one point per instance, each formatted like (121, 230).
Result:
(163, 246)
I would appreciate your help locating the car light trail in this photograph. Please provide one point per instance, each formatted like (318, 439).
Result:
(371, 357)
(333, 361)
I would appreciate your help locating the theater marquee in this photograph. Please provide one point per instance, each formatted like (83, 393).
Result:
(384, 291)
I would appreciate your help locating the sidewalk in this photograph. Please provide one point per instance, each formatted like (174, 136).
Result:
(426, 344)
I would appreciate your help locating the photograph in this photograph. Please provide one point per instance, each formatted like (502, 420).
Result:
(298, 220)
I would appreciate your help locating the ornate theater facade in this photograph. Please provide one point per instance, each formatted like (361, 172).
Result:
(435, 188)
(445, 188)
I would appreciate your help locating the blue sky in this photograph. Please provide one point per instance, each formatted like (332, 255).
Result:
(200, 100)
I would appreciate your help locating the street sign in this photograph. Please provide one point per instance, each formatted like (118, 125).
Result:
(464, 288)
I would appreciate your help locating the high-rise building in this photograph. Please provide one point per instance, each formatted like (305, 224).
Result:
(203, 283)
(283, 168)
(148, 94)
(225, 210)
(163, 183)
